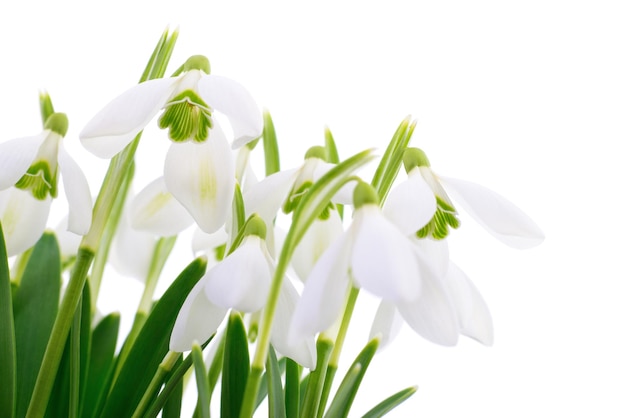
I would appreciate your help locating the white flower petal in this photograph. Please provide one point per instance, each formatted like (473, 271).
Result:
(303, 352)
(233, 100)
(411, 204)
(68, 241)
(155, 210)
(267, 196)
(197, 320)
(432, 315)
(111, 129)
(77, 192)
(473, 313)
(201, 241)
(387, 323)
(23, 219)
(242, 280)
(315, 241)
(344, 196)
(433, 256)
(497, 215)
(324, 294)
(202, 178)
(16, 156)
(132, 250)
(382, 258)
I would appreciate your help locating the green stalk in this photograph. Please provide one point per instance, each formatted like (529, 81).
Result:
(165, 367)
(114, 179)
(58, 336)
(333, 363)
(75, 362)
(315, 200)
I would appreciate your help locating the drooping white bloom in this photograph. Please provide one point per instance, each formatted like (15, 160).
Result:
(372, 254)
(29, 173)
(241, 281)
(497, 215)
(449, 305)
(199, 169)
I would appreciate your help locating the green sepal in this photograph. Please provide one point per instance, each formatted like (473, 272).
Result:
(275, 394)
(201, 382)
(100, 368)
(151, 345)
(390, 403)
(270, 145)
(187, 117)
(236, 367)
(349, 386)
(35, 308)
(7, 336)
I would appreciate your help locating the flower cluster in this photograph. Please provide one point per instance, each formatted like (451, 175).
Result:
(295, 285)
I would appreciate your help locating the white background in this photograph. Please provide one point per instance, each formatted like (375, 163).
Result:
(527, 98)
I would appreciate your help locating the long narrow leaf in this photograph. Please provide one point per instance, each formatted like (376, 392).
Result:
(7, 336)
(350, 385)
(35, 308)
(151, 345)
(236, 366)
(390, 403)
(104, 340)
(292, 388)
(276, 396)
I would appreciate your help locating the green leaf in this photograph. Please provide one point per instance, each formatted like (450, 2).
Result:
(292, 388)
(236, 366)
(391, 402)
(316, 379)
(7, 336)
(100, 369)
(262, 393)
(350, 385)
(201, 380)
(270, 145)
(35, 308)
(276, 397)
(331, 147)
(151, 345)
(391, 161)
(70, 383)
(174, 403)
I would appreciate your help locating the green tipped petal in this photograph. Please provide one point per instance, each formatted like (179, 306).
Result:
(444, 218)
(40, 180)
(188, 117)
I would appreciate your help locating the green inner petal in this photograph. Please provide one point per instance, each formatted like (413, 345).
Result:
(188, 117)
(40, 180)
(445, 217)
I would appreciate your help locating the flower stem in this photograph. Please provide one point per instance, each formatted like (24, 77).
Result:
(164, 368)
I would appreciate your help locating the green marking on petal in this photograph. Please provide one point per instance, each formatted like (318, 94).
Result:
(40, 180)
(444, 218)
(188, 117)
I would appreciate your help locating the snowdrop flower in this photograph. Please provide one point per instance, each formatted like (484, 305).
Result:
(240, 281)
(449, 305)
(286, 188)
(497, 215)
(29, 173)
(372, 254)
(199, 168)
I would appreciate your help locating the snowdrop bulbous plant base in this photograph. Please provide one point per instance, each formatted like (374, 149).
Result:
(340, 232)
